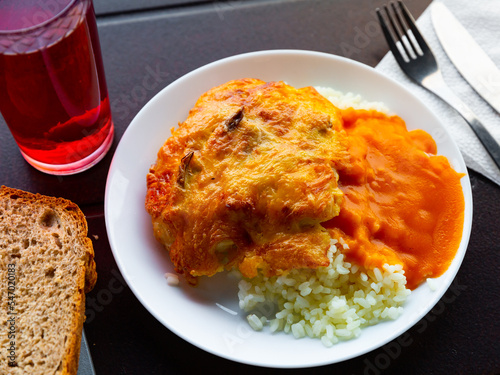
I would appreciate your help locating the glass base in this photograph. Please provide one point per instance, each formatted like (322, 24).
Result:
(77, 166)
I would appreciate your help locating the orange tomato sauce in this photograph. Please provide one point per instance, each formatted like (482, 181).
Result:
(402, 203)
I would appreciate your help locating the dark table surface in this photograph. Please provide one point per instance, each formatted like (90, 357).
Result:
(172, 37)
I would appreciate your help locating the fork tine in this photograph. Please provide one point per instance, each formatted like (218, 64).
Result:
(403, 26)
(389, 38)
(399, 30)
(410, 21)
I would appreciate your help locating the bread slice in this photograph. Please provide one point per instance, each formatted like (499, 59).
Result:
(46, 267)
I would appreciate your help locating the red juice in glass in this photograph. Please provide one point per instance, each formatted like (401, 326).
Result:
(53, 93)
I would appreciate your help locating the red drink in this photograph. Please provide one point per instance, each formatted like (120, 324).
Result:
(53, 92)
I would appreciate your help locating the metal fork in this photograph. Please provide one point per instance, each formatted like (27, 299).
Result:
(416, 59)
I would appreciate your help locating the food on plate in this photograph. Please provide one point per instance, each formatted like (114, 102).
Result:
(47, 262)
(326, 205)
(247, 180)
(400, 223)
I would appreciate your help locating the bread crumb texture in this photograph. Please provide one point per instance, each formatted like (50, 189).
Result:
(46, 266)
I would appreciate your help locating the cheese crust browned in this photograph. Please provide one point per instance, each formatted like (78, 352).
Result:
(247, 179)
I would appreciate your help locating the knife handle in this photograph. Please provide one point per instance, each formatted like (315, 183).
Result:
(436, 84)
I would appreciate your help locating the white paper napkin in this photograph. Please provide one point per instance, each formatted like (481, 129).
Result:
(482, 20)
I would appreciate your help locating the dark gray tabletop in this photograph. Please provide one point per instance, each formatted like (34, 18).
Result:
(165, 39)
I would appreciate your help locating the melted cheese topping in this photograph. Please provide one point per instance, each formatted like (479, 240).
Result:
(248, 179)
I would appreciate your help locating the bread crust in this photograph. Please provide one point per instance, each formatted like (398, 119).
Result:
(85, 277)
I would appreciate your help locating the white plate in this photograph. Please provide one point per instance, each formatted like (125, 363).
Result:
(208, 315)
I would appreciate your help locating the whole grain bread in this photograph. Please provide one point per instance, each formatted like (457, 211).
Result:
(46, 267)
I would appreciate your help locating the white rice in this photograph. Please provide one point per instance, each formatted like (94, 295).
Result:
(172, 279)
(345, 100)
(432, 283)
(330, 303)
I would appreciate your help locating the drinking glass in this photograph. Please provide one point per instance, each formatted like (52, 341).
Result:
(53, 93)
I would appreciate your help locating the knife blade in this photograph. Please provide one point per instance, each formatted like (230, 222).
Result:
(85, 365)
(470, 60)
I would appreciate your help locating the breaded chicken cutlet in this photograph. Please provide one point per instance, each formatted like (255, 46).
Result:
(247, 179)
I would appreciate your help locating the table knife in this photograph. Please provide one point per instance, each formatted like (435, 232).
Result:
(85, 366)
(470, 60)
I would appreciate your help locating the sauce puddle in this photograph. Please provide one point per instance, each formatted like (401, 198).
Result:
(403, 204)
